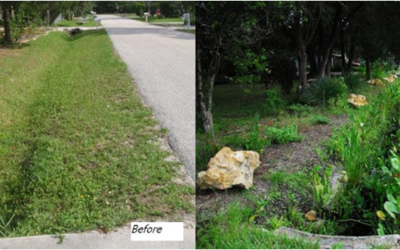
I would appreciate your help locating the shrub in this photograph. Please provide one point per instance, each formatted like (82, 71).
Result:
(283, 135)
(318, 119)
(261, 137)
(321, 91)
(299, 109)
(256, 140)
(283, 70)
(274, 102)
(354, 83)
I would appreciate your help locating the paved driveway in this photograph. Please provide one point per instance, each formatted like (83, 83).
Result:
(162, 61)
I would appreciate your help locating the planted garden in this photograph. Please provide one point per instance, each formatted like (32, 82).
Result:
(328, 145)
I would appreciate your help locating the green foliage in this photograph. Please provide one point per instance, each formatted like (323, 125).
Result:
(338, 245)
(262, 136)
(381, 69)
(321, 91)
(299, 109)
(354, 83)
(205, 150)
(321, 187)
(230, 229)
(274, 102)
(366, 187)
(283, 135)
(283, 69)
(318, 119)
(17, 25)
(256, 139)
(250, 66)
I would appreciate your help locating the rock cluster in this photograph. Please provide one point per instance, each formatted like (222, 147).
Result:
(376, 82)
(228, 168)
(391, 78)
(357, 100)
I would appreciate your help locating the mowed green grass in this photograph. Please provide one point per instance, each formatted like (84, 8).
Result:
(77, 146)
(74, 23)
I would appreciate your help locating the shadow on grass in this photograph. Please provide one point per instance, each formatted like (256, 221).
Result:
(13, 46)
(85, 33)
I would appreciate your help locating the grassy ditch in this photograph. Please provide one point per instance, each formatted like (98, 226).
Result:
(78, 148)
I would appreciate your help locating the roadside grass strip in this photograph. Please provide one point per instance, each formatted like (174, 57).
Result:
(78, 149)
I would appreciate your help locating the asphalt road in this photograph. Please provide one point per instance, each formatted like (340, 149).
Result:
(162, 62)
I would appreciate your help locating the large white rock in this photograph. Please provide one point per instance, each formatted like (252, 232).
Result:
(228, 168)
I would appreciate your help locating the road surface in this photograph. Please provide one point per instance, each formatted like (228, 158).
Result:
(162, 62)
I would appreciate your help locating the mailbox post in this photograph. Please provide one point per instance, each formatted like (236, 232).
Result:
(186, 20)
(97, 21)
(146, 14)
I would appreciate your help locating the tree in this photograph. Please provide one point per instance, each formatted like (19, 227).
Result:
(302, 22)
(227, 30)
(6, 6)
(216, 23)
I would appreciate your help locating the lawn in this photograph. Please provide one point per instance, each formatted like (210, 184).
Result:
(74, 23)
(78, 148)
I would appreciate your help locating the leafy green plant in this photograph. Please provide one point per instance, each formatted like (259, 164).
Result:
(338, 245)
(274, 102)
(256, 139)
(276, 222)
(354, 83)
(321, 91)
(299, 109)
(283, 135)
(321, 187)
(318, 119)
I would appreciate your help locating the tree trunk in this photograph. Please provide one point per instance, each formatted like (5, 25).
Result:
(351, 55)
(7, 29)
(327, 53)
(343, 52)
(302, 69)
(313, 62)
(368, 68)
(328, 65)
(205, 90)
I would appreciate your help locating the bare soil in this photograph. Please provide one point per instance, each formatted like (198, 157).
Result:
(289, 157)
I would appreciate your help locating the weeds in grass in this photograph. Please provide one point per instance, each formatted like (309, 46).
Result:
(78, 147)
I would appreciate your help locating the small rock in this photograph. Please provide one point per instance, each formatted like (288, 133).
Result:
(311, 216)
(228, 168)
(376, 82)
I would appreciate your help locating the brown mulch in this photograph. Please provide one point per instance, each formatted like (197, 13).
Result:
(289, 157)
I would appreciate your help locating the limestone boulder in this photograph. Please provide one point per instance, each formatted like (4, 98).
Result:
(376, 82)
(357, 100)
(228, 168)
(391, 78)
